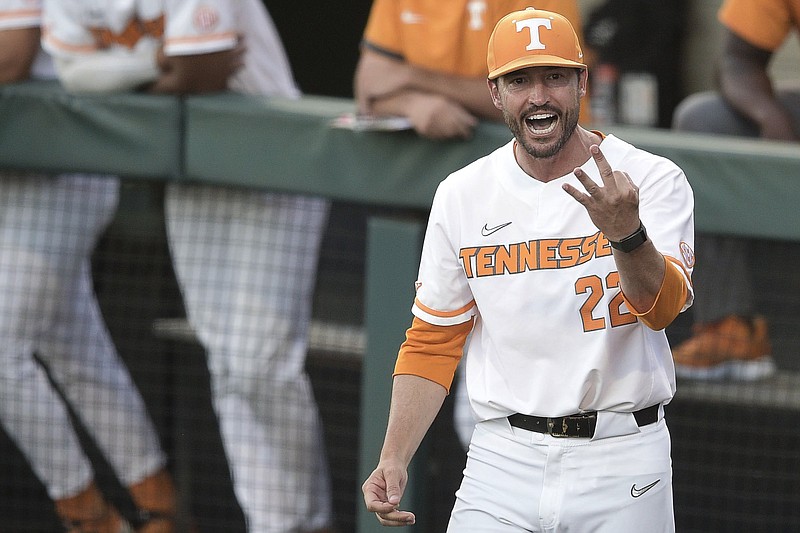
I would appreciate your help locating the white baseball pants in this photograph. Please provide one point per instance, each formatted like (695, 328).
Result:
(48, 229)
(517, 480)
(246, 262)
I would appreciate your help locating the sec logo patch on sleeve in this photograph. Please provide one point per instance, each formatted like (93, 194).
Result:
(206, 19)
(688, 255)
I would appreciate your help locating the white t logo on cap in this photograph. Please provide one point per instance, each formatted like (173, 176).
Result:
(534, 25)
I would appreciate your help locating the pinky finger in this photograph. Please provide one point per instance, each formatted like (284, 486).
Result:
(627, 177)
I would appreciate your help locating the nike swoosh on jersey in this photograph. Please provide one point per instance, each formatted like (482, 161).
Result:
(636, 491)
(409, 17)
(486, 230)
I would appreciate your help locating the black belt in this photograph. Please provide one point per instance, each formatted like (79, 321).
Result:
(580, 425)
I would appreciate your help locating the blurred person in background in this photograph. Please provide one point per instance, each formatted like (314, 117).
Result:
(731, 340)
(425, 60)
(245, 260)
(48, 311)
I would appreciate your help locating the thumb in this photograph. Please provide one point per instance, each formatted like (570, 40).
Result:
(394, 493)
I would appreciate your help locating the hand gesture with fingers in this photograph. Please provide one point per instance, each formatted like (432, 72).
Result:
(614, 206)
(382, 493)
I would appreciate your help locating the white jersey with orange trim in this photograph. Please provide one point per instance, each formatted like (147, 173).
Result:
(552, 335)
(15, 14)
(128, 28)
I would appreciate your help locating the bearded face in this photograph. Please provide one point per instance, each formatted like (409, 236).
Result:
(541, 107)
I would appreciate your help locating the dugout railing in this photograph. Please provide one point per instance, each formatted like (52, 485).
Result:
(742, 187)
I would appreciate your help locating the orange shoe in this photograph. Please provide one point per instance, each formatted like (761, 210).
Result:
(88, 512)
(156, 498)
(732, 348)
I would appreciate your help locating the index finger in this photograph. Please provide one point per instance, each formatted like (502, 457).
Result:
(397, 518)
(606, 172)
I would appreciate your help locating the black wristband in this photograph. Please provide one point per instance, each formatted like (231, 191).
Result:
(632, 241)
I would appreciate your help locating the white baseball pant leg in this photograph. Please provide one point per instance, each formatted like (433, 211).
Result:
(517, 480)
(246, 263)
(48, 230)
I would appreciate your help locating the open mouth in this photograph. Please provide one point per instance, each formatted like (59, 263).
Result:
(541, 123)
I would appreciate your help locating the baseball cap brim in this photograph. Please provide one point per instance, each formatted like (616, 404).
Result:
(534, 61)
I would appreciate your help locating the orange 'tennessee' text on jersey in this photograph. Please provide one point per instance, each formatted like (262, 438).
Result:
(542, 254)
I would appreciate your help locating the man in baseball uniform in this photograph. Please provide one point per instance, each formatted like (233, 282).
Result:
(539, 251)
(48, 229)
(424, 60)
(245, 259)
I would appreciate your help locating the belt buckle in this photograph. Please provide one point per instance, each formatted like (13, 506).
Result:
(561, 430)
(561, 427)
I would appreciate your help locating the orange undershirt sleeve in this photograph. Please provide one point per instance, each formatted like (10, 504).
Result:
(670, 299)
(432, 352)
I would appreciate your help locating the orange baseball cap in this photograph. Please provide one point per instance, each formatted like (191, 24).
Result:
(532, 38)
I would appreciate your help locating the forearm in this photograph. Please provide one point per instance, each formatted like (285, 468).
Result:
(471, 93)
(376, 77)
(415, 404)
(749, 90)
(174, 83)
(396, 104)
(381, 83)
(197, 73)
(745, 83)
(18, 49)
(641, 274)
(105, 73)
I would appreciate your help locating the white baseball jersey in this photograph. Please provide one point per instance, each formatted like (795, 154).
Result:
(20, 14)
(127, 28)
(552, 334)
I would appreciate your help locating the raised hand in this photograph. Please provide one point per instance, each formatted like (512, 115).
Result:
(614, 206)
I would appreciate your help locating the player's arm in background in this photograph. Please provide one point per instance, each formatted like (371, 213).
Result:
(744, 82)
(379, 77)
(18, 49)
(149, 71)
(83, 67)
(438, 106)
(104, 73)
(197, 73)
